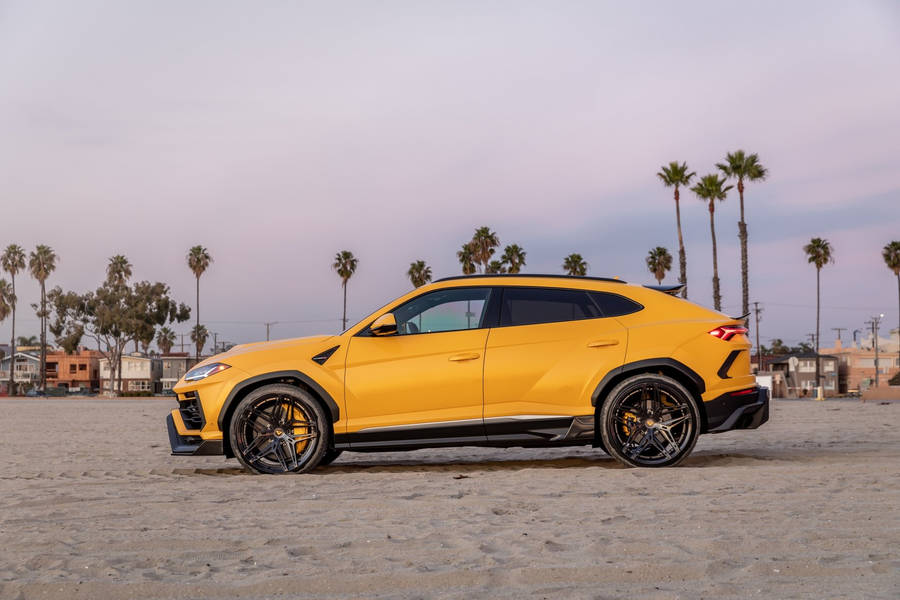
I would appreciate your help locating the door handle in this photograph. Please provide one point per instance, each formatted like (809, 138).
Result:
(602, 343)
(465, 356)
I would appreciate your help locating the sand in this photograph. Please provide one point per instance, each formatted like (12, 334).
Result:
(93, 506)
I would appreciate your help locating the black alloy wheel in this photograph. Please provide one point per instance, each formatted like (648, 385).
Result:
(279, 429)
(650, 421)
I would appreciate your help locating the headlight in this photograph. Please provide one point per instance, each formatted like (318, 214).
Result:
(205, 371)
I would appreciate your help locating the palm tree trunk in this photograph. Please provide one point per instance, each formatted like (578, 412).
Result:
(682, 258)
(717, 297)
(898, 316)
(742, 235)
(43, 337)
(12, 343)
(345, 305)
(818, 308)
(196, 348)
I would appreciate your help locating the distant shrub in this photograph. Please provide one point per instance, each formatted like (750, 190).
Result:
(895, 380)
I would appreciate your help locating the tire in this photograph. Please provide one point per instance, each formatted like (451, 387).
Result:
(330, 456)
(279, 429)
(649, 420)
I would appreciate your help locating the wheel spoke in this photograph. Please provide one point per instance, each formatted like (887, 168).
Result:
(659, 446)
(267, 450)
(675, 421)
(669, 439)
(636, 451)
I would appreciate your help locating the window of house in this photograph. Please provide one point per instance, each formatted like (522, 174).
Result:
(533, 306)
(82, 367)
(73, 368)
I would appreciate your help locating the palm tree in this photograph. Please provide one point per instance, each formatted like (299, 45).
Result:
(742, 167)
(819, 253)
(345, 265)
(466, 256)
(419, 273)
(165, 339)
(13, 260)
(199, 335)
(574, 264)
(198, 260)
(495, 267)
(514, 258)
(118, 270)
(41, 263)
(710, 188)
(659, 261)
(6, 301)
(484, 243)
(31, 340)
(891, 254)
(675, 175)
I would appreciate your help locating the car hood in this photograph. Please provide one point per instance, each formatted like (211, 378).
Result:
(234, 354)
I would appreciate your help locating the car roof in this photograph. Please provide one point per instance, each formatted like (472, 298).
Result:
(530, 275)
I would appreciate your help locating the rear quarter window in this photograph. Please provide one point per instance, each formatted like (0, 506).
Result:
(614, 305)
(533, 306)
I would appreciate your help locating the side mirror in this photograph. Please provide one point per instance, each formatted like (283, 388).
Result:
(386, 324)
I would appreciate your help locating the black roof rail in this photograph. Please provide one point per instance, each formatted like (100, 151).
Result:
(554, 276)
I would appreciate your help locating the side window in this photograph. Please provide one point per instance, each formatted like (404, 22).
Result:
(451, 309)
(614, 305)
(531, 306)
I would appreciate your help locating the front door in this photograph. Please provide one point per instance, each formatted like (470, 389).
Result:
(422, 386)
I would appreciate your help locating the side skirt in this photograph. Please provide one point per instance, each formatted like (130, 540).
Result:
(517, 430)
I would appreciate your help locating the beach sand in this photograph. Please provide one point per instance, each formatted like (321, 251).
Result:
(93, 506)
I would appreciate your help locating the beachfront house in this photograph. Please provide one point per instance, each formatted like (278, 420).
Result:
(140, 374)
(799, 372)
(174, 366)
(26, 372)
(79, 371)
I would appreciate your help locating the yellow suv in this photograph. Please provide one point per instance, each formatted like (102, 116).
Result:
(484, 360)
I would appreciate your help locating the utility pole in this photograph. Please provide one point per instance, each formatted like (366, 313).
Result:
(855, 331)
(839, 330)
(215, 342)
(759, 359)
(267, 328)
(874, 323)
(182, 341)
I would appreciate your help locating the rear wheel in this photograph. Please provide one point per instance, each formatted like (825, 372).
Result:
(650, 421)
(279, 429)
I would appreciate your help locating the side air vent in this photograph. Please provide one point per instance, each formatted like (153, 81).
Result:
(321, 357)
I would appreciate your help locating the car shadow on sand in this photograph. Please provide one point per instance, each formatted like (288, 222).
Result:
(433, 464)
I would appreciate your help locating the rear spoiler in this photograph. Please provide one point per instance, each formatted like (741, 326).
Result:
(743, 318)
(672, 290)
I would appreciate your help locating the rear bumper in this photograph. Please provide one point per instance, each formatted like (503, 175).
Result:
(737, 410)
(190, 445)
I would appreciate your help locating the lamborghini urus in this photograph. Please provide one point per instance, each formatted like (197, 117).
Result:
(484, 360)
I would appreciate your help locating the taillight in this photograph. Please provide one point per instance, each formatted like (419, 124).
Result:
(726, 332)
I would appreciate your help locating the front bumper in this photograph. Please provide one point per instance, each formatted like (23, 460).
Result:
(737, 410)
(185, 444)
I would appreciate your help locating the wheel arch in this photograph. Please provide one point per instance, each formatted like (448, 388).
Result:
(670, 367)
(295, 378)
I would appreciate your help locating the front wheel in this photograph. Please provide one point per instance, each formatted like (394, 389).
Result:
(650, 421)
(279, 429)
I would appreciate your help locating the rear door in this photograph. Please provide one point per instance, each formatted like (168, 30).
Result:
(551, 348)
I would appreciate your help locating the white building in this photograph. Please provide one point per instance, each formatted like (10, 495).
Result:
(26, 371)
(140, 374)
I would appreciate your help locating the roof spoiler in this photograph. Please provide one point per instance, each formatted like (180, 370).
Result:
(672, 290)
(743, 318)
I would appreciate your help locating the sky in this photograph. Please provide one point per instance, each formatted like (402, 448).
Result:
(276, 134)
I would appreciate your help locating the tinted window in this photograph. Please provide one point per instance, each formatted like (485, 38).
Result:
(444, 310)
(614, 305)
(530, 306)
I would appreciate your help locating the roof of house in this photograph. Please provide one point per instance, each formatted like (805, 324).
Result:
(785, 357)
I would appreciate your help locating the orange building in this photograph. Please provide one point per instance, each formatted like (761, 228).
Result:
(78, 370)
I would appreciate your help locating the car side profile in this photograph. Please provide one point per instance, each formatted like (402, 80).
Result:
(481, 360)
